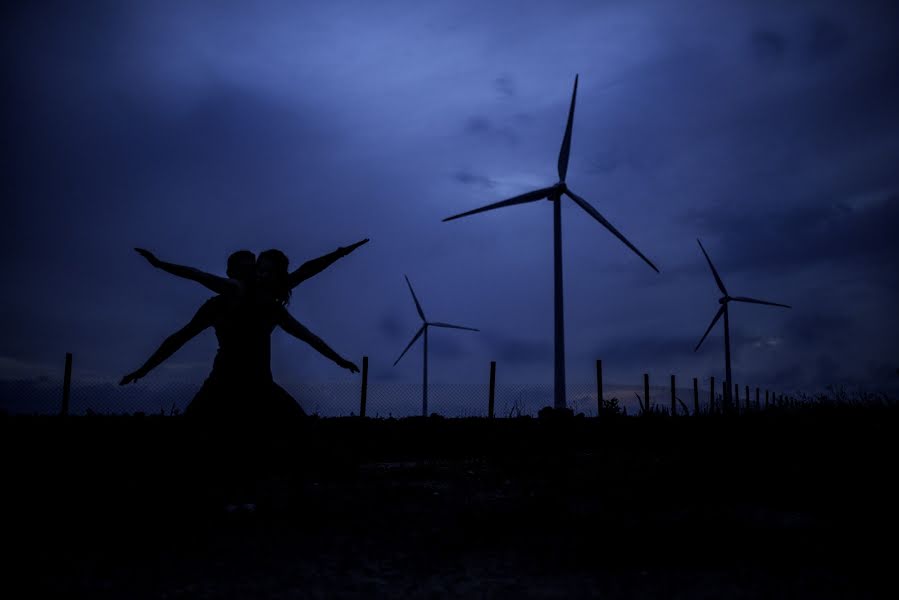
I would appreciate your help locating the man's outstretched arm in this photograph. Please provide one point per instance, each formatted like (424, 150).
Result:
(202, 319)
(317, 265)
(219, 285)
(299, 331)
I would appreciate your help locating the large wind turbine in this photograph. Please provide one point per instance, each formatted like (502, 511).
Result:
(723, 301)
(424, 330)
(554, 194)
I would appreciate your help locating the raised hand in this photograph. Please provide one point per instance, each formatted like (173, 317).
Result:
(131, 378)
(350, 248)
(151, 258)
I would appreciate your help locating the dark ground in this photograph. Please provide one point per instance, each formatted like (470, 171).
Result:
(779, 506)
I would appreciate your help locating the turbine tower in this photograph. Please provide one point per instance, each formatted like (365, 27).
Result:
(554, 194)
(424, 330)
(723, 301)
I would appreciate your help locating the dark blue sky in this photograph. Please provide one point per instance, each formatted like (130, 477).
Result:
(769, 129)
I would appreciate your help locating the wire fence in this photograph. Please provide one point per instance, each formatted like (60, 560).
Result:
(383, 399)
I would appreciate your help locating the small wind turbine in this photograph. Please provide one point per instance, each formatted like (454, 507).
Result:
(554, 194)
(723, 311)
(424, 330)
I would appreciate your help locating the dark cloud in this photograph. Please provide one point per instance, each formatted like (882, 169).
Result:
(391, 326)
(818, 39)
(469, 178)
(484, 127)
(814, 328)
(506, 86)
(768, 47)
(824, 39)
(860, 234)
(478, 125)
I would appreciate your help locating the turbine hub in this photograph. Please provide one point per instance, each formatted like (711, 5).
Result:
(557, 191)
(723, 299)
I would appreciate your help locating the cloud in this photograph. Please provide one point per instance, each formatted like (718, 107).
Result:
(390, 325)
(506, 86)
(817, 39)
(484, 127)
(824, 39)
(768, 47)
(469, 178)
(802, 236)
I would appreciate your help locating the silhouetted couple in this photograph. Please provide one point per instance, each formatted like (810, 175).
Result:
(250, 303)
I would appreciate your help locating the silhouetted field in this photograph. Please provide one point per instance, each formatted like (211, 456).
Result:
(781, 504)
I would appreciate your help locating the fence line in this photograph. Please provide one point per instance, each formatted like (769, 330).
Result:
(385, 399)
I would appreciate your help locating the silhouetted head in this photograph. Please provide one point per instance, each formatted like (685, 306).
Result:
(271, 275)
(242, 265)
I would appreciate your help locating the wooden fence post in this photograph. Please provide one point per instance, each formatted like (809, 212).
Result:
(737, 398)
(766, 400)
(712, 396)
(364, 399)
(673, 399)
(66, 385)
(695, 397)
(646, 394)
(492, 389)
(746, 404)
(758, 404)
(598, 387)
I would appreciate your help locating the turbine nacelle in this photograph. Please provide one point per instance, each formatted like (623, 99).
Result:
(557, 191)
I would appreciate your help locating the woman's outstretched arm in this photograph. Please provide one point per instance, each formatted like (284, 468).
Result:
(215, 283)
(317, 265)
(299, 331)
(201, 320)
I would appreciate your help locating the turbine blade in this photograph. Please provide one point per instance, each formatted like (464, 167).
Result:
(453, 326)
(754, 301)
(595, 214)
(566, 141)
(712, 324)
(522, 199)
(417, 335)
(421, 313)
(714, 272)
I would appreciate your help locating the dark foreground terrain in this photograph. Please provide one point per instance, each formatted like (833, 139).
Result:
(779, 506)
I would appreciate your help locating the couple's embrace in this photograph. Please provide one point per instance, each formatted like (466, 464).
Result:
(250, 302)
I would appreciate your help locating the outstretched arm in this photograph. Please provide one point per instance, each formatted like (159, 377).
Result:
(317, 265)
(297, 330)
(219, 285)
(172, 344)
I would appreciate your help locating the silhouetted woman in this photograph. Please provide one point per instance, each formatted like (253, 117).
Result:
(240, 384)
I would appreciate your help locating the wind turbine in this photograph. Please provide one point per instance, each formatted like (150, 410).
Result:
(723, 301)
(554, 194)
(424, 330)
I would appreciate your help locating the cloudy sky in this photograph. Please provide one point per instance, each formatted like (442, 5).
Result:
(769, 129)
